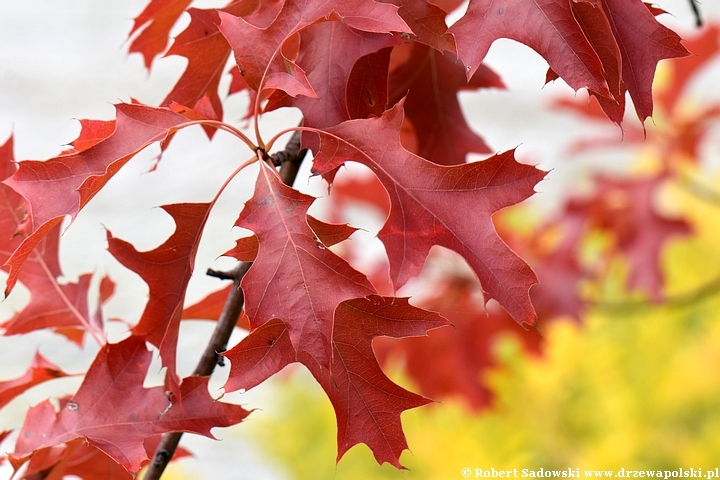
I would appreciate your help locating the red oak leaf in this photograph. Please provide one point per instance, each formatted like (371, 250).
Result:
(53, 304)
(92, 132)
(209, 307)
(547, 26)
(594, 22)
(100, 413)
(65, 184)
(369, 76)
(166, 270)
(431, 82)
(84, 461)
(39, 371)
(450, 206)
(62, 307)
(643, 42)
(158, 18)
(258, 51)
(295, 277)
(367, 403)
(292, 293)
(427, 22)
(207, 53)
(328, 53)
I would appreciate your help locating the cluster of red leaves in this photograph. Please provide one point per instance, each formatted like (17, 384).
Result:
(377, 84)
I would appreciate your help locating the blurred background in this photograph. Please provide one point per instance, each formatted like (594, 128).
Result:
(626, 370)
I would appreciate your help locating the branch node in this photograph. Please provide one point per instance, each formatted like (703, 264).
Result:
(221, 275)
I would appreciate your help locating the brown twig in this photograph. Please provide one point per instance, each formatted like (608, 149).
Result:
(696, 11)
(289, 160)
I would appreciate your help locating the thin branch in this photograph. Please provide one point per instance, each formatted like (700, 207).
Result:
(679, 300)
(289, 160)
(696, 11)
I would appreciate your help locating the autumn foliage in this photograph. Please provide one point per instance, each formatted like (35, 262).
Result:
(377, 84)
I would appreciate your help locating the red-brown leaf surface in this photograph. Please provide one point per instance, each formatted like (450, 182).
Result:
(427, 22)
(328, 53)
(596, 26)
(369, 76)
(450, 206)
(258, 50)
(431, 81)
(62, 307)
(643, 42)
(295, 277)
(546, 26)
(367, 403)
(292, 293)
(39, 371)
(63, 185)
(207, 53)
(101, 413)
(154, 24)
(166, 270)
(86, 462)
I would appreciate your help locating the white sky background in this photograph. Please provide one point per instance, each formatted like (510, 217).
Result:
(66, 59)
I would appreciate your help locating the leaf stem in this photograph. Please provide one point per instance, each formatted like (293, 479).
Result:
(221, 126)
(291, 157)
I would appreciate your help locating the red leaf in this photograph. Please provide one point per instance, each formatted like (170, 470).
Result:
(431, 82)
(258, 50)
(369, 77)
(101, 413)
(84, 461)
(207, 52)
(39, 371)
(52, 304)
(367, 403)
(295, 277)
(92, 132)
(450, 206)
(292, 294)
(166, 270)
(65, 184)
(209, 307)
(427, 22)
(546, 26)
(328, 52)
(594, 22)
(643, 42)
(158, 18)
